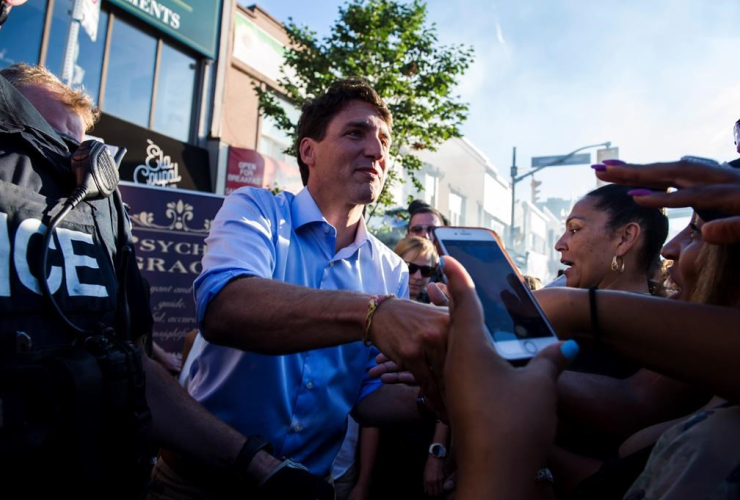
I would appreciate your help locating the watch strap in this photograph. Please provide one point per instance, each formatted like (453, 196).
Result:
(253, 445)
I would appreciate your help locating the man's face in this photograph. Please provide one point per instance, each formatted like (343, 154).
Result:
(423, 225)
(54, 111)
(349, 164)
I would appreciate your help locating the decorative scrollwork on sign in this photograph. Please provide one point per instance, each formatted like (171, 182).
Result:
(179, 214)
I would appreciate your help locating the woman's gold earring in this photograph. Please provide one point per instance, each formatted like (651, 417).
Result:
(618, 263)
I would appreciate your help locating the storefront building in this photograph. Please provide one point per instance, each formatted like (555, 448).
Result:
(149, 65)
(253, 147)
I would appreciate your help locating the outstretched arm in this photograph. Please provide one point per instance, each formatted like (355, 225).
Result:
(621, 407)
(244, 315)
(695, 343)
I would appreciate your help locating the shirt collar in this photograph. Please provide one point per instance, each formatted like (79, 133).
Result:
(304, 210)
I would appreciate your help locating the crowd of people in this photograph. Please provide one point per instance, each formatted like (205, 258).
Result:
(308, 322)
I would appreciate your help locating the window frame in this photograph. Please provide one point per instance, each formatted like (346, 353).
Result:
(114, 13)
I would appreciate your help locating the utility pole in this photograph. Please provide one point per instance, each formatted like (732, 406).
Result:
(514, 172)
(70, 48)
(556, 161)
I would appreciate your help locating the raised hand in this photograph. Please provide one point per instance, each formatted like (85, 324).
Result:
(698, 185)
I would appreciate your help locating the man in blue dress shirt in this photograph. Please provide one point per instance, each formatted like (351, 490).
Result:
(295, 289)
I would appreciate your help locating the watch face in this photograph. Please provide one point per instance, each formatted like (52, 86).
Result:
(437, 450)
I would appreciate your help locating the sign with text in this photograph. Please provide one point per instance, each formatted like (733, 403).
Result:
(169, 228)
(193, 22)
(247, 167)
(154, 159)
(546, 161)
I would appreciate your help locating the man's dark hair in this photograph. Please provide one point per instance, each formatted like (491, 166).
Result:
(621, 209)
(422, 207)
(318, 112)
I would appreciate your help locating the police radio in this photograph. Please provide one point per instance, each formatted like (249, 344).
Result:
(96, 174)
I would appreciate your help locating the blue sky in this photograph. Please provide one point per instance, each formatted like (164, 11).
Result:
(659, 79)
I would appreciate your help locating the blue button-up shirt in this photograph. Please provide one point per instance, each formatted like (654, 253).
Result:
(299, 402)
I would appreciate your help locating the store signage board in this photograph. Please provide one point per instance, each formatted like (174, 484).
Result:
(193, 22)
(154, 159)
(169, 229)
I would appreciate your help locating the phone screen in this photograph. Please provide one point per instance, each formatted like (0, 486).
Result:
(510, 312)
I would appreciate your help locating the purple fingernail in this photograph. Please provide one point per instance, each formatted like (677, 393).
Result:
(639, 192)
(599, 167)
(614, 162)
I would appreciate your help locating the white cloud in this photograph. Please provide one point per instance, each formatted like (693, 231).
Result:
(500, 34)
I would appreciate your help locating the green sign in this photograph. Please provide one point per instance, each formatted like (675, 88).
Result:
(193, 22)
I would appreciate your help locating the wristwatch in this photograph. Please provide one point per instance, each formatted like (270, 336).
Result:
(253, 445)
(437, 450)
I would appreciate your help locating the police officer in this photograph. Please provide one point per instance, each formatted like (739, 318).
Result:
(79, 401)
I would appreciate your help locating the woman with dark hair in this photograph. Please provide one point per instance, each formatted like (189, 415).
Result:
(611, 242)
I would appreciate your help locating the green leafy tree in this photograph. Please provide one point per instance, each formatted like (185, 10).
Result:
(389, 44)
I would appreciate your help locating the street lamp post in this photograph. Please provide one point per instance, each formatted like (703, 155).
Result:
(560, 161)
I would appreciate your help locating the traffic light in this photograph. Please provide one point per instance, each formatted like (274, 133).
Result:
(535, 192)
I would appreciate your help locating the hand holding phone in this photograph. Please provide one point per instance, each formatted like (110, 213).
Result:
(515, 323)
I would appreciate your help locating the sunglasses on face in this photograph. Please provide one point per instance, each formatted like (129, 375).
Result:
(426, 271)
(421, 229)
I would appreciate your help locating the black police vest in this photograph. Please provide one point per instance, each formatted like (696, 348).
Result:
(82, 276)
(74, 413)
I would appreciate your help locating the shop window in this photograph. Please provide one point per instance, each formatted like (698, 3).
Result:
(274, 141)
(89, 65)
(173, 108)
(130, 80)
(24, 23)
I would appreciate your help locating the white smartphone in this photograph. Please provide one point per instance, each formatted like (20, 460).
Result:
(516, 324)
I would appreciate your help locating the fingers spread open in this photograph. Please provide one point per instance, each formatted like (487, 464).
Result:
(725, 197)
(665, 175)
